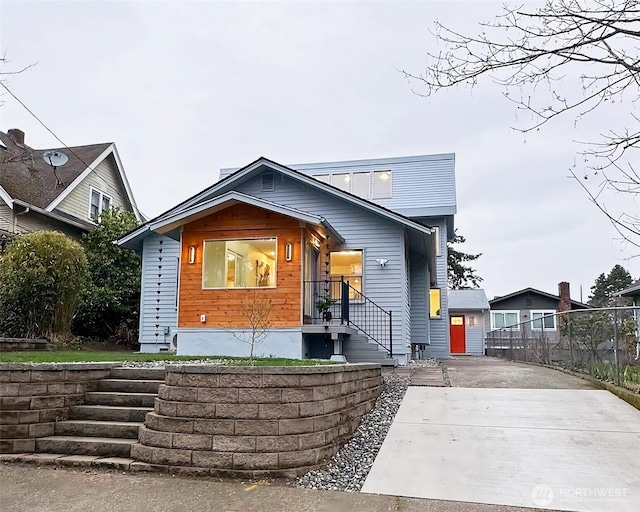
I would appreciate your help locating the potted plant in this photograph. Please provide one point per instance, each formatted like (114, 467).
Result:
(323, 305)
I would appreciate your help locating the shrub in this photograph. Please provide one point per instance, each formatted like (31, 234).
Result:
(42, 276)
(110, 303)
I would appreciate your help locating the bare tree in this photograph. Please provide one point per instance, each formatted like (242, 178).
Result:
(5, 72)
(256, 308)
(592, 45)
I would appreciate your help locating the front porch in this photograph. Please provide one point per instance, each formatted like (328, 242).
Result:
(341, 323)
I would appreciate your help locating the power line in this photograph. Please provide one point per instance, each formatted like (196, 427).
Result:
(51, 132)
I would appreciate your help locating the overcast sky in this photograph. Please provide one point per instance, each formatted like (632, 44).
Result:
(186, 88)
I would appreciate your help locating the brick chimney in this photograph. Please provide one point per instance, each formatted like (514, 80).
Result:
(565, 296)
(16, 135)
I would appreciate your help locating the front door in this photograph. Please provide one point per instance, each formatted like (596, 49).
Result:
(457, 335)
(310, 276)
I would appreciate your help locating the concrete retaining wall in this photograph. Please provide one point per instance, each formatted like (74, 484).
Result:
(252, 422)
(34, 396)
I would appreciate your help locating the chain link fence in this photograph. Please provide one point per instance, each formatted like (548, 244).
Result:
(602, 342)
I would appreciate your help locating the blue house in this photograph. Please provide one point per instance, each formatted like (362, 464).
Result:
(351, 257)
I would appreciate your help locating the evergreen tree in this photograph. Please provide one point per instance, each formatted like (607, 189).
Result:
(460, 275)
(110, 303)
(606, 286)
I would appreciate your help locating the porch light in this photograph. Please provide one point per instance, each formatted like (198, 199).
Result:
(192, 254)
(288, 252)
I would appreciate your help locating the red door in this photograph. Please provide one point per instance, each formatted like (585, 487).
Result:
(457, 335)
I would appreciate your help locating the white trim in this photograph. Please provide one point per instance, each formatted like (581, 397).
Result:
(110, 150)
(201, 210)
(309, 180)
(515, 326)
(92, 189)
(6, 197)
(125, 182)
(544, 313)
(79, 223)
(296, 175)
(79, 179)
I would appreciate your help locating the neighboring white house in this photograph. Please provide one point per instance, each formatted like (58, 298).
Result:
(367, 238)
(36, 196)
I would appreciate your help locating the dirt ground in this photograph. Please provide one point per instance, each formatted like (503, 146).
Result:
(488, 372)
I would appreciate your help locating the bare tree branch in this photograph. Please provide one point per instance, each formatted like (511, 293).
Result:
(591, 44)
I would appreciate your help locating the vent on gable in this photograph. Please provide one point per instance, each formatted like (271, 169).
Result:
(268, 182)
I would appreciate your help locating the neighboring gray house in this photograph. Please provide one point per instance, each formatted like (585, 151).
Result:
(351, 254)
(468, 321)
(35, 196)
(530, 312)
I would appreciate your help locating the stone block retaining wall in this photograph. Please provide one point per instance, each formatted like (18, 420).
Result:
(251, 422)
(34, 396)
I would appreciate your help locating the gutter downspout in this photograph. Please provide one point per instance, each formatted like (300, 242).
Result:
(15, 217)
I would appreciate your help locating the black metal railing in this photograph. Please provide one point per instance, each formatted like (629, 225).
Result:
(335, 301)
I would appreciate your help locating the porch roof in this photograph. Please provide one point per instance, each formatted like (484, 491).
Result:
(168, 224)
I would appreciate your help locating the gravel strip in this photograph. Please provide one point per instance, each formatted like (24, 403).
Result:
(349, 468)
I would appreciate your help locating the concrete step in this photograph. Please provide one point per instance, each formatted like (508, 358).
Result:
(77, 445)
(96, 428)
(119, 399)
(138, 373)
(108, 413)
(130, 385)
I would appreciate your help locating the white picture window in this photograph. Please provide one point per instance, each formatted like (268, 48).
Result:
(239, 263)
(540, 319)
(99, 202)
(502, 319)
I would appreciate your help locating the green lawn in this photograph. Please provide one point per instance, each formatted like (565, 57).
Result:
(77, 356)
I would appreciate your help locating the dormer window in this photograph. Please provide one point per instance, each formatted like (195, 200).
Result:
(100, 202)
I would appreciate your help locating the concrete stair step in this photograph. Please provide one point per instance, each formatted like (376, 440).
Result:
(138, 373)
(121, 399)
(108, 413)
(96, 428)
(78, 445)
(129, 385)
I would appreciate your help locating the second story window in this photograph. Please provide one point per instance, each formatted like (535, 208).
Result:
(100, 202)
(367, 185)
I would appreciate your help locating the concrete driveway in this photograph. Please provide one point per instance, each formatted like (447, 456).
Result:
(512, 438)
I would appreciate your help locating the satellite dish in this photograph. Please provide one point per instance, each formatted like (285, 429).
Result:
(55, 158)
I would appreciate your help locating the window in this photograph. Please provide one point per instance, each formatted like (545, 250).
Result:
(540, 319)
(434, 303)
(100, 202)
(342, 181)
(368, 185)
(381, 186)
(501, 319)
(347, 264)
(360, 184)
(239, 263)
